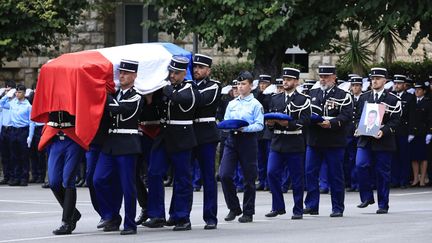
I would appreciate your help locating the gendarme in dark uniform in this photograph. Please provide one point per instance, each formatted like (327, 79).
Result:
(400, 167)
(114, 176)
(287, 144)
(173, 145)
(207, 135)
(376, 152)
(326, 141)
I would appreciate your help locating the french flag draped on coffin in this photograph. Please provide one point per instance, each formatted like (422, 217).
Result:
(78, 83)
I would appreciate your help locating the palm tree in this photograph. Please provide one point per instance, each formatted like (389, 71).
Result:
(357, 56)
(387, 34)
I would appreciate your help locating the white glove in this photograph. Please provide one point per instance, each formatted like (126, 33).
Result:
(410, 138)
(29, 140)
(11, 93)
(428, 138)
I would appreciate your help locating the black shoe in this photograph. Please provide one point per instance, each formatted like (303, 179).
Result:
(297, 216)
(275, 213)
(4, 182)
(365, 204)
(245, 219)
(154, 223)
(284, 190)
(80, 183)
(75, 218)
(45, 185)
(232, 215)
(39, 181)
(260, 187)
(64, 229)
(14, 182)
(128, 232)
(210, 226)
(23, 183)
(182, 226)
(113, 224)
(101, 224)
(324, 191)
(142, 217)
(310, 211)
(336, 215)
(382, 211)
(168, 181)
(170, 222)
(197, 189)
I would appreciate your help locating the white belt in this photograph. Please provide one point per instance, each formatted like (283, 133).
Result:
(63, 124)
(205, 119)
(178, 122)
(150, 123)
(123, 131)
(328, 117)
(296, 132)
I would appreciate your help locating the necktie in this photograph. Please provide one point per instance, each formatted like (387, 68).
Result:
(120, 96)
(325, 94)
(418, 101)
(376, 98)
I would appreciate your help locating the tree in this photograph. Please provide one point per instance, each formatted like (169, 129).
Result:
(26, 26)
(263, 29)
(357, 55)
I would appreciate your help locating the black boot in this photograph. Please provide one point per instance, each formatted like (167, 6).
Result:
(70, 214)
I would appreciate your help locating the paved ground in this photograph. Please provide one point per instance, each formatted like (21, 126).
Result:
(30, 214)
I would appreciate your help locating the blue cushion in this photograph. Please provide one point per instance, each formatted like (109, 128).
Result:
(316, 118)
(232, 124)
(277, 116)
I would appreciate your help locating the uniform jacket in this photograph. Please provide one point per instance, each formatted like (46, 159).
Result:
(408, 102)
(124, 114)
(178, 105)
(422, 122)
(338, 106)
(298, 107)
(210, 91)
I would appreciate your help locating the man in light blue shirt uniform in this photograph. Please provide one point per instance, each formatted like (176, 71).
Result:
(5, 136)
(241, 146)
(21, 135)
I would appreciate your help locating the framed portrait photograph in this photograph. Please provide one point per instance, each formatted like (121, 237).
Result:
(371, 119)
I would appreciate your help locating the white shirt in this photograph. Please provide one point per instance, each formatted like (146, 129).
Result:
(379, 93)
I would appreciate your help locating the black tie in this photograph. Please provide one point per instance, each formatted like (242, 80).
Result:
(376, 97)
(286, 99)
(121, 95)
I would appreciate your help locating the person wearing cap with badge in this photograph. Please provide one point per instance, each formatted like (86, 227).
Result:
(375, 152)
(174, 145)
(287, 144)
(207, 134)
(264, 137)
(351, 149)
(326, 141)
(421, 132)
(114, 176)
(241, 147)
(400, 166)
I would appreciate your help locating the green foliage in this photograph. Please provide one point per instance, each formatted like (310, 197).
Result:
(357, 56)
(27, 25)
(225, 72)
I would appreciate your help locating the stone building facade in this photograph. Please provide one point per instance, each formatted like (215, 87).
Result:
(98, 30)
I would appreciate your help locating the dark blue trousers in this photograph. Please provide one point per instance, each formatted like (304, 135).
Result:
(113, 180)
(334, 158)
(206, 155)
(6, 153)
(196, 174)
(401, 163)
(63, 159)
(92, 157)
(286, 177)
(19, 153)
(263, 153)
(238, 177)
(276, 164)
(181, 202)
(381, 161)
(323, 176)
(239, 148)
(350, 161)
(37, 158)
